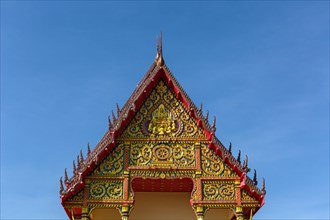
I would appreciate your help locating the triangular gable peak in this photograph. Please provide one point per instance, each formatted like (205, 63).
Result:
(148, 132)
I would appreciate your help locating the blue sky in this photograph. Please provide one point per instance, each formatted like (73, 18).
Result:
(261, 67)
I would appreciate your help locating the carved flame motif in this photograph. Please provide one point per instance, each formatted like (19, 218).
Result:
(162, 122)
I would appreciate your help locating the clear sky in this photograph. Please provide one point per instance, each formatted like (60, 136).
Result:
(262, 67)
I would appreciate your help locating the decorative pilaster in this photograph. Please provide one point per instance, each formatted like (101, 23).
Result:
(126, 185)
(84, 209)
(198, 182)
(238, 192)
(126, 156)
(86, 192)
(198, 155)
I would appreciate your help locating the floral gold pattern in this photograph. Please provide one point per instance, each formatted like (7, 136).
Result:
(218, 190)
(113, 164)
(179, 154)
(112, 190)
(212, 165)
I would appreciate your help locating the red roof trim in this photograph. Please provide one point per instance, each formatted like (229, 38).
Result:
(147, 84)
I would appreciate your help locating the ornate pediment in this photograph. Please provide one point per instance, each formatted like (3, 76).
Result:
(162, 115)
(160, 141)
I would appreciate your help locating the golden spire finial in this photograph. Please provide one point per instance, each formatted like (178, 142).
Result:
(159, 56)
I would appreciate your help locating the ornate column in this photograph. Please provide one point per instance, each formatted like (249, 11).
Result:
(126, 185)
(239, 213)
(238, 192)
(84, 213)
(200, 212)
(198, 173)
(124, 212)
(198, 155)
(84, 208)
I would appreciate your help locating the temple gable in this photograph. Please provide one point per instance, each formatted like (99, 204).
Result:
(163, 116)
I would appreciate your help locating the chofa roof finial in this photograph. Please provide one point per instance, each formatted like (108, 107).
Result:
(159, 56)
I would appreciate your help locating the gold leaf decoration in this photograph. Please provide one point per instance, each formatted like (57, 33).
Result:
(218, 190)
(112, 190)
(212, 164)
(247, 197)
(177, 154)
(162, 115)
(113, 164)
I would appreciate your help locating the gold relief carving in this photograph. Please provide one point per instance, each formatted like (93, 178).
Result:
(247, 197)
(113, 164)
(79, 197)
(111, 189)
(162, 122)
(179, 154)
(232, 206)
(162, 153)
(212, 165)
(251, 205)
(162, 115)
(163, 174)
(184, 154)
(218, 190)
(103, 205)
(140, 154)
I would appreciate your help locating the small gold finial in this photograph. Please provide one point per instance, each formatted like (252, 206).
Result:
(159, 56)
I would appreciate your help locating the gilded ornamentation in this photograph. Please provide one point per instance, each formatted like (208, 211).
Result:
(218, 190)
(163, 174)
(247, 197)
(162, 115)
(178, 154)
(220, 205)
(140, 154)
(162, 122)
(111, 189)
(162, 153)
(79, 197)
(212, 165)
(113, 164)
